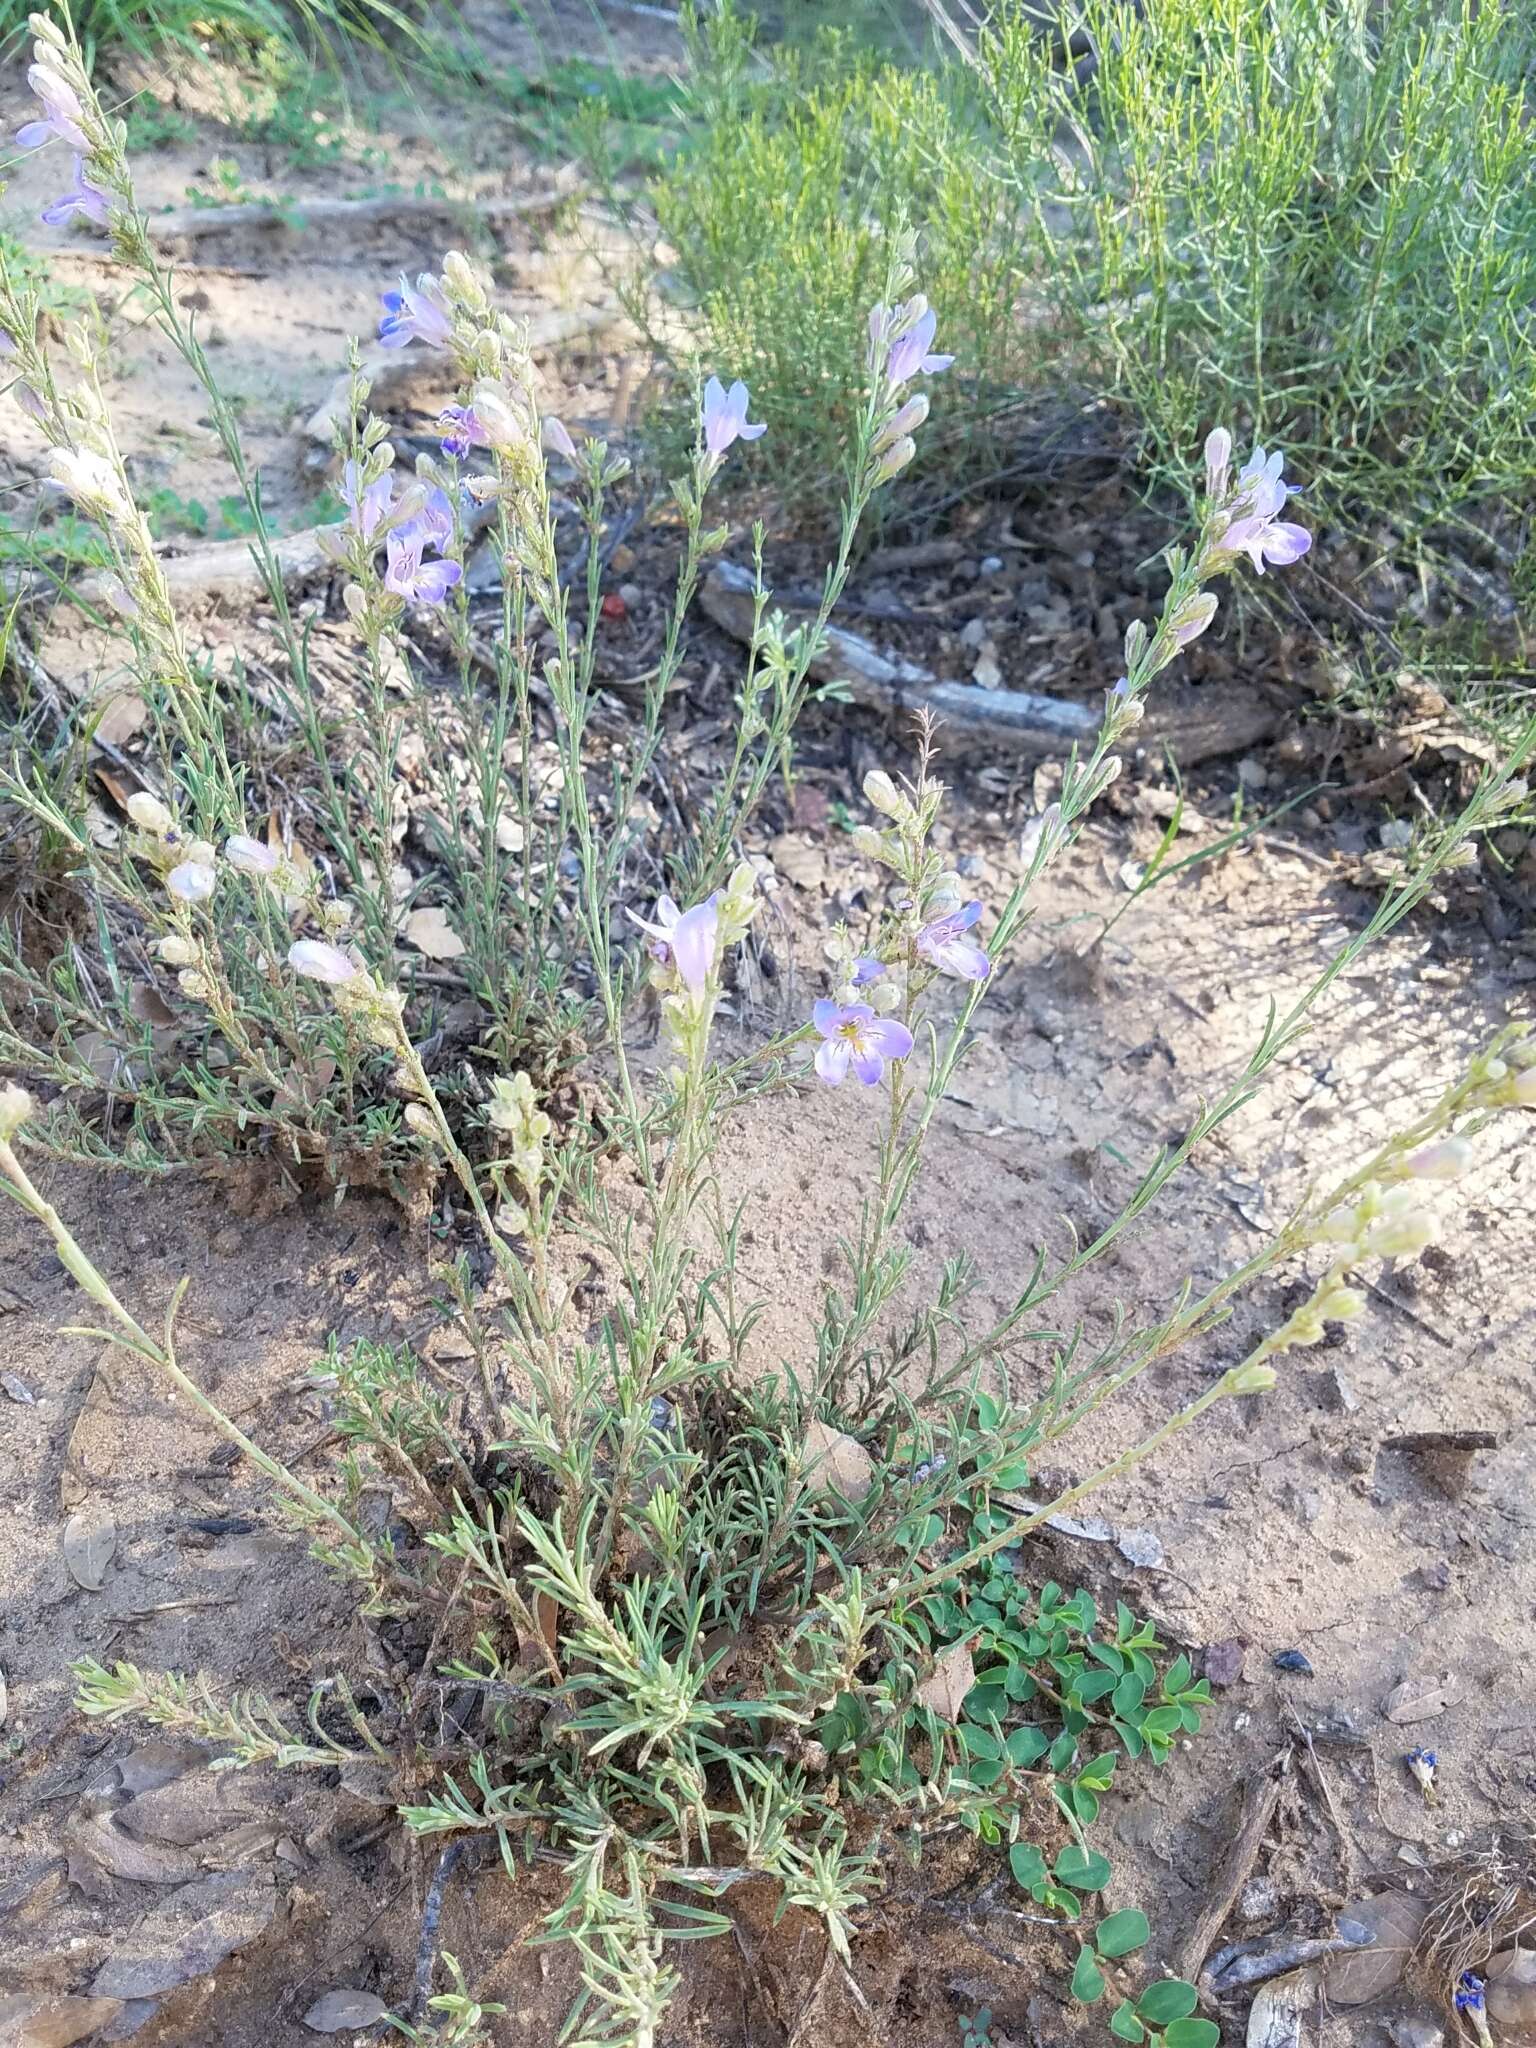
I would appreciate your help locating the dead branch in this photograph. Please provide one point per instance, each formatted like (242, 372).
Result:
(196, 223)
(882, 683)
(1261, 1795)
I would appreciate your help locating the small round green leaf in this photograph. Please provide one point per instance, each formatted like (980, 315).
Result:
(1087, 1978)
(1161, 2004)
(1084, 1869)
(1192, 2034)
(1121, 1932)
(1027, 1864)
(1123, 2021)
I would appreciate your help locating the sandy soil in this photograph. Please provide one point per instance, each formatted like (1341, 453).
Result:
(1286, 1525)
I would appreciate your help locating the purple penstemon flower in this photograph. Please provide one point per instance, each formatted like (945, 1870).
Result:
(910, 352)
(1254, 527)
(432, 523)
(61, 113)
(370, 510)
(854, 1037)
(724, 418)
(82, 198)
(416, 312)
(866, 970)
(408, 576)
(684, 938)
(693, 943)
(943, 944)
(461, 429)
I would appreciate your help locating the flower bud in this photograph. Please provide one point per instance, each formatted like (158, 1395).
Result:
(192, 881)
(15, 1108)
(354, 602)
(320, 962)
(195, 985)
(1251, 1379)
(907, 421)
(1402, 1237)
(868, 841)
(419, 1119)
(460, 275)
(1341, 1305)
(1446, 1161)
(1524, 1089)
(895, 460)
(557, 439)
(176, 951)
(1218, 458)
(1135, 643)
(884, 795)
(249, 856)
(149, 814)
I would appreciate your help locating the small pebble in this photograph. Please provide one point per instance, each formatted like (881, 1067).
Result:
(1293, 1660)
(631, 594)
(991, 564)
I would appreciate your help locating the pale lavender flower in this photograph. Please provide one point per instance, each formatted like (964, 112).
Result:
(910, 351)
(30, 402)
(659, 928)
(371, 509)
(853, 1036)
(61, 113)
(1266, 539)
(433, 524)
(461, 430)
(725, 418)
(866, 970)
(82, 198)
(313, 957)
(250, 856)
(7, 346)
(693, 943)
(408, 576)
(557, 438)
(944, 945)
(417, 312)
(193, 881)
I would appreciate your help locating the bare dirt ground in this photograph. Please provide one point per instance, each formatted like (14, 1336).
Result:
(1289, 1524)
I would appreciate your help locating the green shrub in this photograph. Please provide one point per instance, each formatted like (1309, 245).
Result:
(1314, 215)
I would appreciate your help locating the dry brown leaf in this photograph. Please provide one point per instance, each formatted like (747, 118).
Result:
(953, 1676)
(185, 1810)
(187, 1934)
(1421, 1699)
(1364, 1973)
(30, 2021)
(90, 1538)
(149, 1006)
(429, 931)
(98, 1840)
(151, 1764)
(341, 2009)
(837, 1461)
(92, 1448)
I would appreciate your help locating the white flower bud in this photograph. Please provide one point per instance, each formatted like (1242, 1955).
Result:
(1524, 1089)
(192, 881)
(149, 814)
(1251, 1379)
(420, 1120)
(15, 1108)
(868, 841)
(320, 962)
(884, 795)
(1446, 1161)
(249, 856)
(195, 985)
(1402, 1237)
(176, 951)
